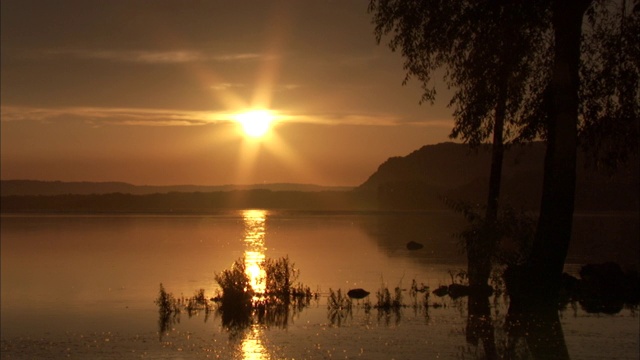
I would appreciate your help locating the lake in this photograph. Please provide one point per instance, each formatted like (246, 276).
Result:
(83, 286)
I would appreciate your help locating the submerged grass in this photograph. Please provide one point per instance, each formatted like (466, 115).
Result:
(167, 303)
(338, 301)
(170, 307)
(237, 293)
(386, 301)
(240, 304)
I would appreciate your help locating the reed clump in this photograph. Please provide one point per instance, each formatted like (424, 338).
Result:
(386, 301)
(282, 284)
(237, 293)
(282, 296)
(198, 302)
(338, 301)
(339, 307)
(167, 303)
(169, 309)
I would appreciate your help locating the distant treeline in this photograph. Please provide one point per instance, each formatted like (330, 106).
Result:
(391, 196)
(195, 202)
(38, 187)
(419, 181)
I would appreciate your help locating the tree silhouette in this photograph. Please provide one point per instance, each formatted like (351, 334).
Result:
(520, 63)
(610, 97)
(485, 48)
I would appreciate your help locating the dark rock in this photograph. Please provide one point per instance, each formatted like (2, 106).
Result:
(441, 291)
(357, 293)
(605, 288)
(458, 290)
(412, 245)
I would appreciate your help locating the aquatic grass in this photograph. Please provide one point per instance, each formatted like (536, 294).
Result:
(283, 296)
(167, 303)
(338, 301)
(415, 290)
(198, 302)
(339, 307)
(282, 284)
(386, 301)
(387, 304)
(168, 310)
(236, 286)
(460, 277)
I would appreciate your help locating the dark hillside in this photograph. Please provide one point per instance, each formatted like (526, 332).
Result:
(426, 176)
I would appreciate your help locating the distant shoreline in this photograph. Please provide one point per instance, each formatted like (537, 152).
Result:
(418, 181)
(190, 202)
(40, 187)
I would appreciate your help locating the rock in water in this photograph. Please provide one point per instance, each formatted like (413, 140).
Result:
(441, 291)
(357, 293)
(412, 245)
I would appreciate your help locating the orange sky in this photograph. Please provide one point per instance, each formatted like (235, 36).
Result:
(146, 92)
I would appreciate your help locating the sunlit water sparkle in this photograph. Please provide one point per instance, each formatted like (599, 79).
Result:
(254, 255)
(83, 286)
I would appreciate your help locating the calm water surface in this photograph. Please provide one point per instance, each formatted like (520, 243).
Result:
(84, 286)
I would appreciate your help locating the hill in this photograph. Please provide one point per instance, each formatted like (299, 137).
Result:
(449, 170)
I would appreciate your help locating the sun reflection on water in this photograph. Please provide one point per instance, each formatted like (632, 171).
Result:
(254, 233)
(252, 347)
(254, 238)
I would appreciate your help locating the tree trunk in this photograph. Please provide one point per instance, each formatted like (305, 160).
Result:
(480, 252)
(542, 333)
(497, 154)
(553, 232)
(480, 330)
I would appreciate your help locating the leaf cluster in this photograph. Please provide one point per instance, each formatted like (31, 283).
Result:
(497, 56)
(490, 52)
(610, 95)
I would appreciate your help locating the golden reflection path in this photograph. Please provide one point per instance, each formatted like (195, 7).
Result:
(252, 347)
(254, 255)
(254, 233)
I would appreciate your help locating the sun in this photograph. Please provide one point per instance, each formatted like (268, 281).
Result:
(255, 123)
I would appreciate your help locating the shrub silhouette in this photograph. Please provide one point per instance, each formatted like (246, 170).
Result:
(237, 293)
(239, 301)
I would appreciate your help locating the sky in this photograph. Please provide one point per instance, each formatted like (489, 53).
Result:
(149, 92)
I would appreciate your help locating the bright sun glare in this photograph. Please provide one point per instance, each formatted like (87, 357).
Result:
(255, 123)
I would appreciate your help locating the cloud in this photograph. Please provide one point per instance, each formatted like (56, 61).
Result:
(156, 57)
(362, 119)
(288, 87)
(226, 86)
(121, 116)
(169, 117)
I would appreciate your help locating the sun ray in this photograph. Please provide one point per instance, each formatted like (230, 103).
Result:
(289, 156)
(246, 161)
(259, 134)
